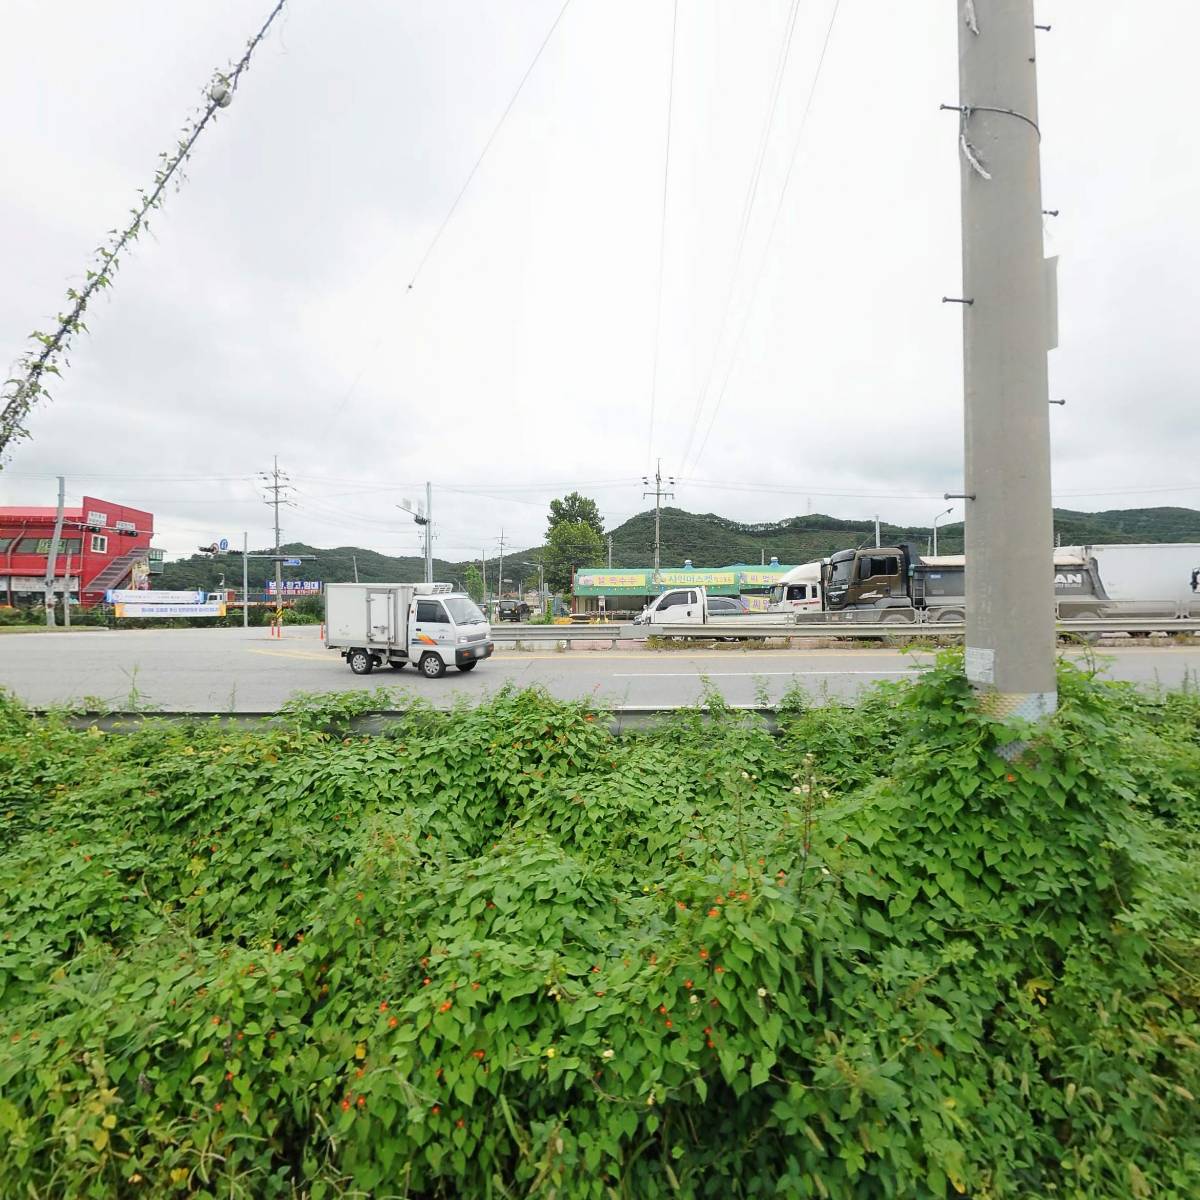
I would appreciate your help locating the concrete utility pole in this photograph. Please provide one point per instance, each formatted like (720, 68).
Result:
(610, 551)
(877, 541)
(277, 484)
(52, 557)
(658, 495)
(500, 573)
(428, 532)
(245, 579)
(1007, 316)
(354, 561)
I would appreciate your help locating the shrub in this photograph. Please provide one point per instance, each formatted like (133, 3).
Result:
(501, 952)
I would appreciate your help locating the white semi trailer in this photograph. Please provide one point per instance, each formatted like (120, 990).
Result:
(426, 624)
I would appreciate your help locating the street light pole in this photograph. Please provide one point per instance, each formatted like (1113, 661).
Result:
(1007, 321)
(946, 513)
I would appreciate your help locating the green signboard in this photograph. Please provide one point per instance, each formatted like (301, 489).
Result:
(721, 581)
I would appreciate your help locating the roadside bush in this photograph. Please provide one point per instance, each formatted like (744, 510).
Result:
(500, 952)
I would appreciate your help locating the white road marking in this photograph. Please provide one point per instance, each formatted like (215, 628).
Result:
(745, 674)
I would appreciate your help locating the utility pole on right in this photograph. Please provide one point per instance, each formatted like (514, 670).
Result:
(659, 495)
(1007, 315)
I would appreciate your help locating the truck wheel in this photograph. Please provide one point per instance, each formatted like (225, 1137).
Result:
(467, 666)
(944, 616)
(432, 666)
(361, 663)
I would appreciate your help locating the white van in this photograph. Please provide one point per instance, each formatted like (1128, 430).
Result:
(426, 624)
(799, 590)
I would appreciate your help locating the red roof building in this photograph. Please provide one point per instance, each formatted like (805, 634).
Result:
(103, 545)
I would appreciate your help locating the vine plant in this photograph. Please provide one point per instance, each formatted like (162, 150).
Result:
(27, 384)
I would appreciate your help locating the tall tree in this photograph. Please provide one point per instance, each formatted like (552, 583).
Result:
(571, 545)
(575, 510)
(473, 583)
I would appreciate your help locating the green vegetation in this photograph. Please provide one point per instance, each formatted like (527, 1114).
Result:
(502, 953)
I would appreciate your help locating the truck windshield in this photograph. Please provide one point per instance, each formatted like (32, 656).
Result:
(464, 611)
(840, 572)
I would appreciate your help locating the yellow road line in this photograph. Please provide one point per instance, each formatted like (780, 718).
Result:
(325, 657)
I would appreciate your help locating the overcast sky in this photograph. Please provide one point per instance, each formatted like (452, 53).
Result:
(269, 311)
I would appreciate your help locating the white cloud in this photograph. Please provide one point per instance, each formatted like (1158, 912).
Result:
(269, 310)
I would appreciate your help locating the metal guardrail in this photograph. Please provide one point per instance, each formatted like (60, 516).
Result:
(503, 631)
(749, 627)
(746, 628)
(619, 719)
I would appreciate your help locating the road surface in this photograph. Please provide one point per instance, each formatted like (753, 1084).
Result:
(248, 671)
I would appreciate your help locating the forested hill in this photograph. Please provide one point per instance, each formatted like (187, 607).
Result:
(705, 538)
(713, 541)
(330, 566)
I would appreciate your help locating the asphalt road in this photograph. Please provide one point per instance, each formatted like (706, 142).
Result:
(247, 671)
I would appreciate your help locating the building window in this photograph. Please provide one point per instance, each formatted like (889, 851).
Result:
(99, 543)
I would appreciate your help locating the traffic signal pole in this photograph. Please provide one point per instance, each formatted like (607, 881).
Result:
(1007, 313)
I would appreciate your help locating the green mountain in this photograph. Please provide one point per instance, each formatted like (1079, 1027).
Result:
(705, 538)
(713, 541)
(335, 565)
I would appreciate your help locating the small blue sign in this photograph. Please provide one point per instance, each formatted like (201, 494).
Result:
(223, 544)
(291, 562)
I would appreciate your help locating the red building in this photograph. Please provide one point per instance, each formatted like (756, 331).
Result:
(103, 545)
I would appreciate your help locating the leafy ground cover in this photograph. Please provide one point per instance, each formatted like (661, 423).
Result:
(501, 953)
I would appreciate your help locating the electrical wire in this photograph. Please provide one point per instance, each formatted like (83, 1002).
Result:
(662, 235)
(462, 191)
(744, 223)
(812, 91)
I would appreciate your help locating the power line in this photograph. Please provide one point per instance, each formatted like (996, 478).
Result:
(487, 145)
(437, 236)
(33, 367)
(744, 223)
(812, 91)
(662, 234)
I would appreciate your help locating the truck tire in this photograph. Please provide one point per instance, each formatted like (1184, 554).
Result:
(360, 662)
(895, 618)
(945, 615)
(468, 666)
(431, 666)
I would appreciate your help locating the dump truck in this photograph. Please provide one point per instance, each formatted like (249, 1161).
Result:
(897, 583)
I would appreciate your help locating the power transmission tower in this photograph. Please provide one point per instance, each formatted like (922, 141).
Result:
(276, 482)
(658, 495)
(1008, 318)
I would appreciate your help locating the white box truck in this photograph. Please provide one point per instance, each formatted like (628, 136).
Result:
(426, 624)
